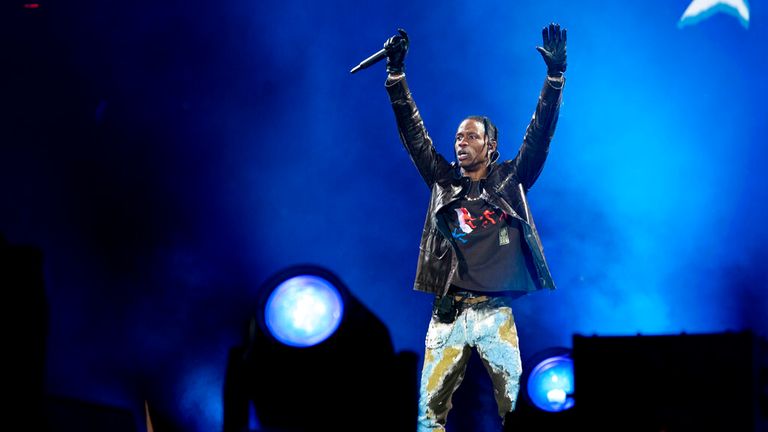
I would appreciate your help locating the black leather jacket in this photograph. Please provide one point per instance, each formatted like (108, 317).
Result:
(507, 184)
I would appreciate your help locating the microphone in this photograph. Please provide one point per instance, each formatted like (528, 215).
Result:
(375, 58)
(370, 61)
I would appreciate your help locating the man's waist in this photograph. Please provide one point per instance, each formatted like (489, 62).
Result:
(466, 296)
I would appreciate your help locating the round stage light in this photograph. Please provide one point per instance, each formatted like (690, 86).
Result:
(550, 384)
(303, 311)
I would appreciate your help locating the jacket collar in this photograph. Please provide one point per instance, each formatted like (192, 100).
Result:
(491, 178)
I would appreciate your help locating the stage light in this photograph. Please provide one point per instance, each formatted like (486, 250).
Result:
(550, 384)
(303, 310)
(310, 334)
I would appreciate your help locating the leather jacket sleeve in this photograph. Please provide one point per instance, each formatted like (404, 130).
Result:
(432, 166)
(533, 153)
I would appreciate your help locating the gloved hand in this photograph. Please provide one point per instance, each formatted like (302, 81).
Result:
(397, 47)
(553, 50)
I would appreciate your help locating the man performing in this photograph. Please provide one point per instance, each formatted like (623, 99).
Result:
(479, 246)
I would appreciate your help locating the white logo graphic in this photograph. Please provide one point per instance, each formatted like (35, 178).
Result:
(465, 220)
(700, 10)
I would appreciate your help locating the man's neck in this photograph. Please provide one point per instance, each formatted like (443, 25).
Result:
(476, 175)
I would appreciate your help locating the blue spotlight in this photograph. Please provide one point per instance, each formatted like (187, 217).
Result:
(303, 311)
(550, 383)
(309, 305)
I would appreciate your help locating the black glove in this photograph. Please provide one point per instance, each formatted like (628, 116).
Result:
(397, 47)
(553, 50)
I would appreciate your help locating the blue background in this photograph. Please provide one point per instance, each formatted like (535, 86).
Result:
(168, 157)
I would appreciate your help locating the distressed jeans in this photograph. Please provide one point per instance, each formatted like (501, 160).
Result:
(488, 327)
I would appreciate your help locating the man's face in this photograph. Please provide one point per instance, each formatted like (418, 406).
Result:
(470, 145)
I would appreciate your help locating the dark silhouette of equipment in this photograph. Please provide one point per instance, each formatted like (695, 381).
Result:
(24, 334)
(354, 380)
(675, 383)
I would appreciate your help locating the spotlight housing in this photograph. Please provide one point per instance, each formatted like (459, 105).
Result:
(311, 340)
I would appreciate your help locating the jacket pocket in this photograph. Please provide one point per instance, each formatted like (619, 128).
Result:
(443, 246)
(437, 245)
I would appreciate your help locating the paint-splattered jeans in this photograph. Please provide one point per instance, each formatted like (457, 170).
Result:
(487, 326)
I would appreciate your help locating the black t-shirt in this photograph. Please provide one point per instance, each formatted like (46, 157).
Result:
(491, 256)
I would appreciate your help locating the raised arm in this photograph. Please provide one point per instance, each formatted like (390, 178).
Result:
(432, 166)
(533, 152)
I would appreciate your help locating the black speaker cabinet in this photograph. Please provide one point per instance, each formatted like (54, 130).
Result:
(671, 383)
